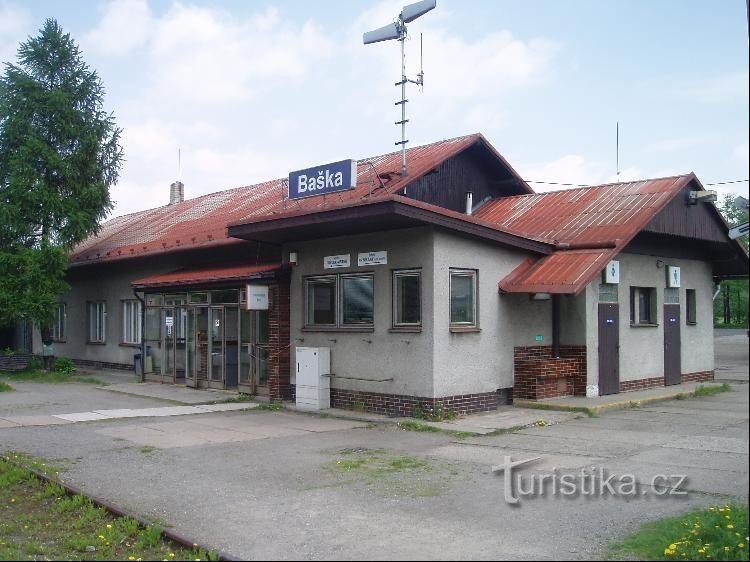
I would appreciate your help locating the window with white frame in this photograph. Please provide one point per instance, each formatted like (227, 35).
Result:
(97, 320)
(131, 321)
(642, 306)
(407, 298)
(339, 301)
(463, 297)
(59, 319)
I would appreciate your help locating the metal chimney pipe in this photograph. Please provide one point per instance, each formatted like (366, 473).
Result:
(176, 193)
(469, 202)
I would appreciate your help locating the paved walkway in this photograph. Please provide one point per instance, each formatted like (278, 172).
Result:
(98, 415)
(171, 392)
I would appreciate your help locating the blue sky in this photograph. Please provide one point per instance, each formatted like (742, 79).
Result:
(252, 90)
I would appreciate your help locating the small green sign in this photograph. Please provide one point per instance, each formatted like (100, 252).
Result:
(538, 337)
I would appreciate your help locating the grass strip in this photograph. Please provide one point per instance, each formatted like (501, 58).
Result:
(713, 533)
(40, 520)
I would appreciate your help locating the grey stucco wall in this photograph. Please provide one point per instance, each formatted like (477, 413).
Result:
(642, 348)
(109, 284)
(380, 354)
(482, 361)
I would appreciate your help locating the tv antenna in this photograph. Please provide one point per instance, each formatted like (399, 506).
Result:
(397, 30)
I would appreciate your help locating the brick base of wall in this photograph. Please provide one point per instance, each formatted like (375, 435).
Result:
(402, 405)
(103, 365)
(537, 375)
(641, 384)
(700, 376)
(15, 362)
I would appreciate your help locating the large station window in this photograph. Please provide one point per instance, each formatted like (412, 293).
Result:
(407, 298)
(463, 296)
(59, 320)
(339, 301)
(97, 320)
(131, 321)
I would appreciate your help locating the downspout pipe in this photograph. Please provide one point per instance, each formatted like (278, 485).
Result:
(556, 326)
(143, 335)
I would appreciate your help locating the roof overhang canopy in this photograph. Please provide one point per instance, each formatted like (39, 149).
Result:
(211, 276)
(389, 213)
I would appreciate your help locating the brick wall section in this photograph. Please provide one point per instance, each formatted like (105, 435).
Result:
(104, 364)
(401, 405)
(278, 341)
(537, 375)
(15, 362)
(641, 384)
(700, 376)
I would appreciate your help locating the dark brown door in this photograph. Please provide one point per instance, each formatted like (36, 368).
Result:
(672, 364)
(609, 348)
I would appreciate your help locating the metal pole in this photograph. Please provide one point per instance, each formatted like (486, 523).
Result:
(403, 105)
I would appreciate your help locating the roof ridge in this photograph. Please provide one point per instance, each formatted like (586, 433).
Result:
(581, 188)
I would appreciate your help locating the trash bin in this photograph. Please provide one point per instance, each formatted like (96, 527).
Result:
(138, 365)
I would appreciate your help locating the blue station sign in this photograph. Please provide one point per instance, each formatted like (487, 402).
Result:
(328, 178)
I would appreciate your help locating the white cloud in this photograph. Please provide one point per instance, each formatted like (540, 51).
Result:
(124, 26)
(15, 25)
(717, 89)
(574, 170)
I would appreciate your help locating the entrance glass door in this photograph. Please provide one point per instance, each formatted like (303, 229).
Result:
(168, 339)
(216, 347)
(253, 376)
(201, 344)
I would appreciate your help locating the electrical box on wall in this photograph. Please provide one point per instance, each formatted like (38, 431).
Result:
(673, 276)
(612, 272)
(257, 297)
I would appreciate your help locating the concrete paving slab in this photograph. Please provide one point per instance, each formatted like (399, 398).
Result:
(613, 401)
(170, 392)
(231, 407)
(508, 418)
(556, 444)
(36, 420)
(7, 423)
(166, 411)
(82, 417)
(492, 456)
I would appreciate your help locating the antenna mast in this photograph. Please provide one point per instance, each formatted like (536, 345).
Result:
(397, 30)
(617, 142)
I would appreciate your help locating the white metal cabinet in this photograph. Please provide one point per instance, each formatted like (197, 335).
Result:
(313, 378)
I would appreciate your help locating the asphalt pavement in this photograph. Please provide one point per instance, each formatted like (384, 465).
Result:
(280, 484)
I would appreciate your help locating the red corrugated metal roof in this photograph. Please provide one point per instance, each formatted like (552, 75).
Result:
(586, 215)
(589, 226)
(563, 272)
(202, 221)
(208, 274)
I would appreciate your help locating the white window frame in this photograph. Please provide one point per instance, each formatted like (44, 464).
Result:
(397, 274)
(59, 322)
(97, 321)
(131, 322)
(474, 275)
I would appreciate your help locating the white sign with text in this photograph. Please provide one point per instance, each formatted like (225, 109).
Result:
(334, 262)
(372, 258)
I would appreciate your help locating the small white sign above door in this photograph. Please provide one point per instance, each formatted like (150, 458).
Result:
(257, 297)
(169, 321)
(372, 258)
(334, 262)
(673, 276)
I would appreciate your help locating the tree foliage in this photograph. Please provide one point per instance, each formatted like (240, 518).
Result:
(59, 154)
(731, 306)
